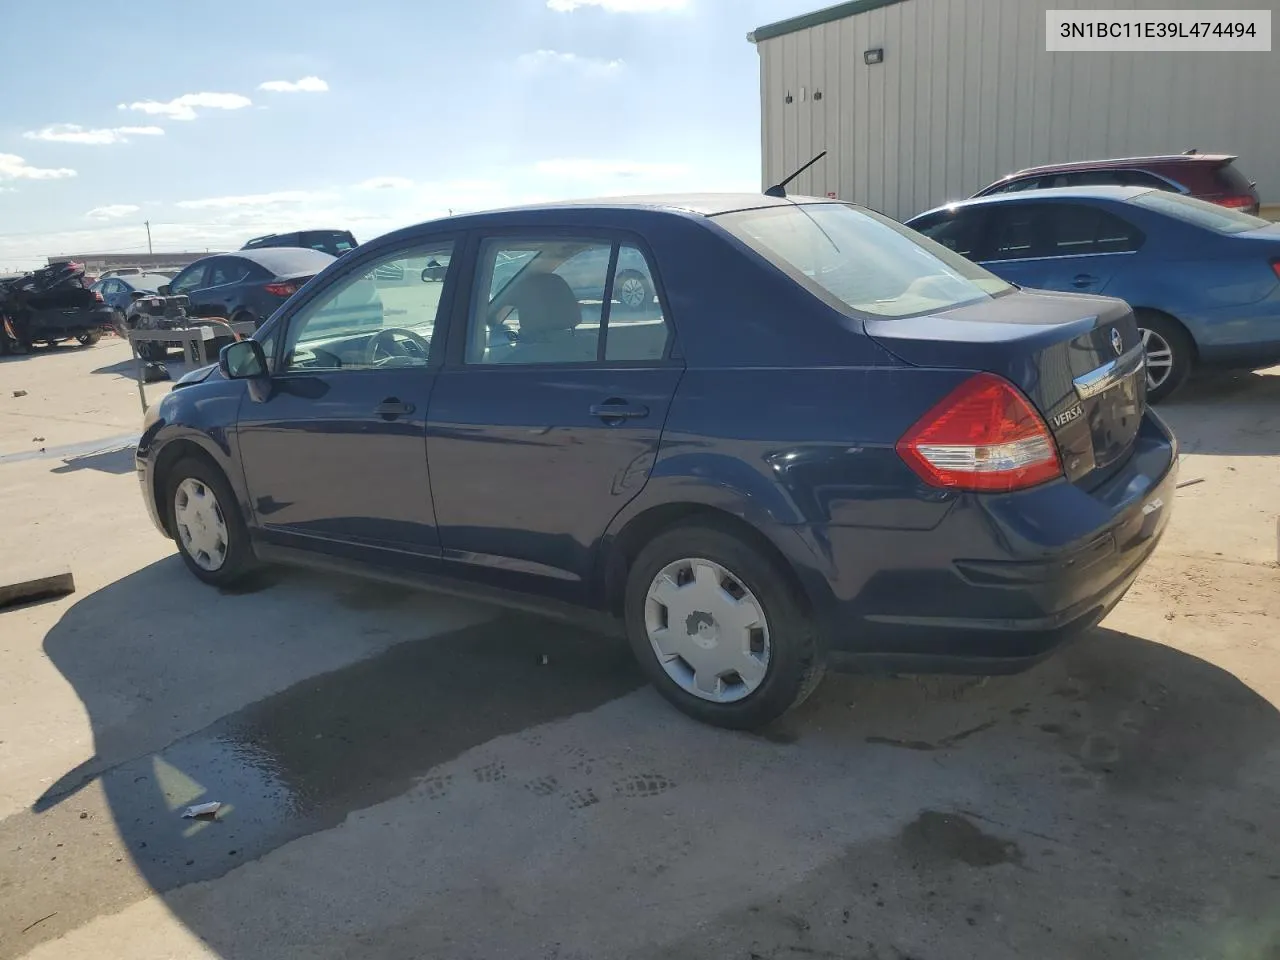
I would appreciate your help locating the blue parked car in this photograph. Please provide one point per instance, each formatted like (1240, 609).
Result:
(1203, 280)
(865, 450)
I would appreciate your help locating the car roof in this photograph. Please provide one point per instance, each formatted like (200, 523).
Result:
(692, 205)
(282, 260)
(1116, 194)
(1076, 165)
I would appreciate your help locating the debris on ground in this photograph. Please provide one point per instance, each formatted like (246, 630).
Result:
(33, 582)
(37, 439)
(1189, 483)
(19, 393)
(205, 810)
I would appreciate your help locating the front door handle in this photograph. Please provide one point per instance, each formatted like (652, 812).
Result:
(616, 410)
(1084, 280)
(391, 408)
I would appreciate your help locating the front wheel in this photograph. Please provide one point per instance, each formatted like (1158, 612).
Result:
(1169, 354)
(719, 629)
(205, 520)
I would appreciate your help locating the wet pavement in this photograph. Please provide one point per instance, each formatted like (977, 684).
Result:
(301, 760)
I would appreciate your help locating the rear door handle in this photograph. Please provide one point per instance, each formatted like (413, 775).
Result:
(618, 410)
(392, 408)
(1084, 280)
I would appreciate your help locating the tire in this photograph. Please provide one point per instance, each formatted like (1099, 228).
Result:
(787, 653)
(237, 559)
(119, 324)
(632, 291)
(1170, 353)
(89, 338)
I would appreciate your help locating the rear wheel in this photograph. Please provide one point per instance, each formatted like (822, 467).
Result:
(1169, 353)
(205, 519)
(89, 338)
(719, 629)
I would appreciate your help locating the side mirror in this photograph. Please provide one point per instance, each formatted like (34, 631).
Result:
(163, 289)
(243, 360)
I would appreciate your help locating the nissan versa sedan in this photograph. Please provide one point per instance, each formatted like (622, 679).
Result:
(865, 451)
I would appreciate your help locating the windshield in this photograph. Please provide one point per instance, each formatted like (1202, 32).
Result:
(861, 259)
(1200, 213)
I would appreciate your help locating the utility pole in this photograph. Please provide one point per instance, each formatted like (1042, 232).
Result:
(150, 252)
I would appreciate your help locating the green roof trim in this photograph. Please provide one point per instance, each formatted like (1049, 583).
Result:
(818, 17)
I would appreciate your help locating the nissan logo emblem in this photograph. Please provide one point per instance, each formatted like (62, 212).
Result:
(1117, 342)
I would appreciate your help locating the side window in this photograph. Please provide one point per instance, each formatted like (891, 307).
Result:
(1017, 232)
(1079, 230)
(545, 301)
(189, 279)
(383, 317)
(636, 328)
(960, 232)
(1140, 178)
(227, 270)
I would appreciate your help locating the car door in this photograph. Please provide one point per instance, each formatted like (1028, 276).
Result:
(334, 456)
(537, 440)
(190, 282)
(223, 290)
(1090, 246)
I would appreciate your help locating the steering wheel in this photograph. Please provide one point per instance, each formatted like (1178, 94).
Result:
(393, 349)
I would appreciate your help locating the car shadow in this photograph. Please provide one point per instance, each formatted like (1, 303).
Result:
(299, 699)
(118, 461)
(124, 368)
(1227, 415)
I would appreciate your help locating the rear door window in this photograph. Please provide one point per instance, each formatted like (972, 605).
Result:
(189, 279)
(226, 270)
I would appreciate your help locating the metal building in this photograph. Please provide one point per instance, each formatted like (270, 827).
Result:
(962, 92)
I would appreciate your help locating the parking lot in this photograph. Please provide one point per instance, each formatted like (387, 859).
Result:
(405, 775)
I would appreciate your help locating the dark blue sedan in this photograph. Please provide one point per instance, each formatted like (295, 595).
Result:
(1204, 280)
(865, 450)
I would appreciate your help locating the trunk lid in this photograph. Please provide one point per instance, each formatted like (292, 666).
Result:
(1078, 359)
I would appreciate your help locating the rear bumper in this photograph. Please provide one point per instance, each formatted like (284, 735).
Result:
(1003, 580)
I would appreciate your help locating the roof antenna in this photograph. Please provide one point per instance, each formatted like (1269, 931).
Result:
(780, 189)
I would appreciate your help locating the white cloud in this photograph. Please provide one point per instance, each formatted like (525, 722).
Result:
(183, 107)
(385, 183)
(618, 6)
(585, 169)
(252, 200)
(305, 85)
(112, 211)
(13, 167)
(543, 60)
(74, 133)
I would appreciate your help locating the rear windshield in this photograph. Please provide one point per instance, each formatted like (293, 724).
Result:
(861, 259)
(335, 242)
(1232, 179)
(1200, 213)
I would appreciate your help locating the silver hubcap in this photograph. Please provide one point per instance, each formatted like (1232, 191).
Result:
(631, 292)
(707, 630)
(1159, 358)
(201, 526)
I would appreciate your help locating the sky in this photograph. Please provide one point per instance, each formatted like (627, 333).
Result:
(218, 123)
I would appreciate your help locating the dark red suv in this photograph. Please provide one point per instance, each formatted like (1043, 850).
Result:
(1207, 176)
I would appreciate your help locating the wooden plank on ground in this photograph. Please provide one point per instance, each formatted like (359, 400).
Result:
(22, 584)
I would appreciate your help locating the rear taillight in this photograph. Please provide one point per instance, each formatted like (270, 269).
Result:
(1275, 266)
(1238, 202)
(282, 289)
(984, 435)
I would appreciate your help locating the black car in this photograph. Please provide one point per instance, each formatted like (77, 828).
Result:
(333, 242)
(120, 291)
(247, 286)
